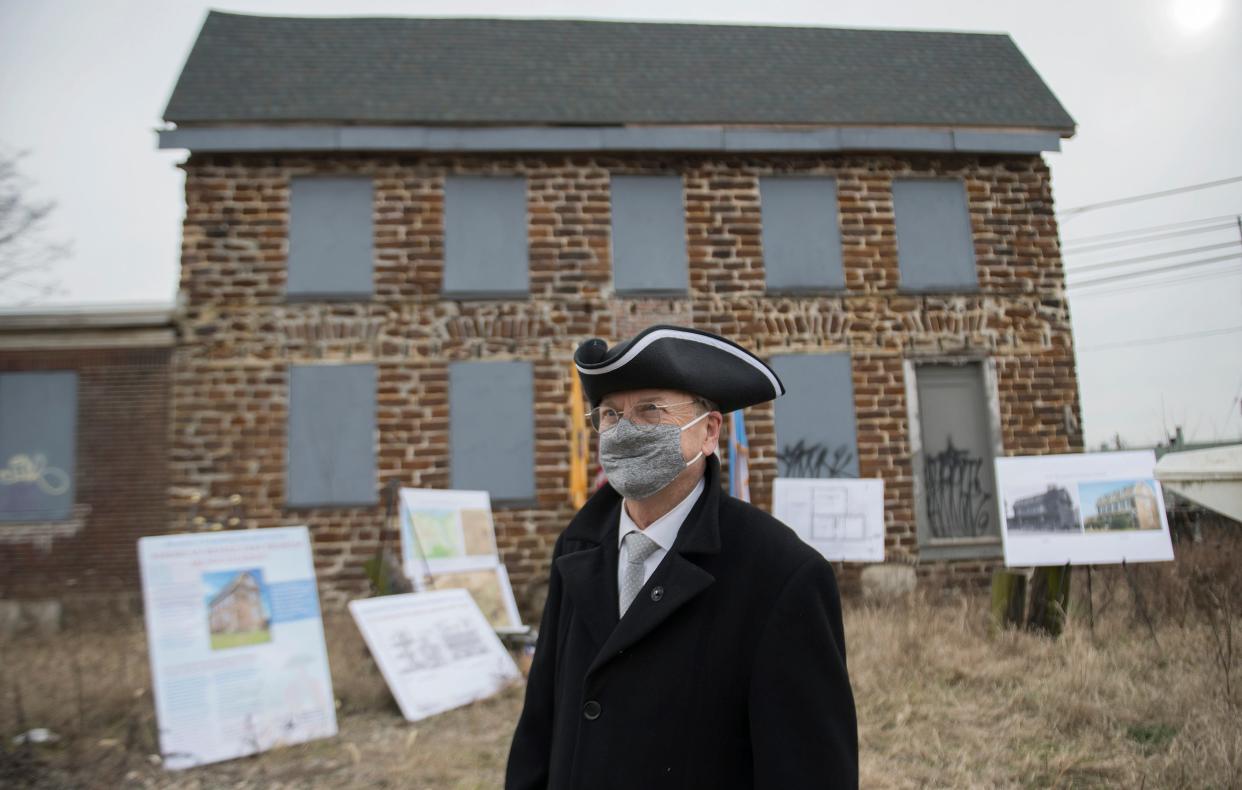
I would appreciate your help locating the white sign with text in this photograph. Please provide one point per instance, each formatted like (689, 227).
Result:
(436, 650)
(238, 661)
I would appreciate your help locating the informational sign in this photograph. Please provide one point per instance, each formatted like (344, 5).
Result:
(446, 531)
(435, 650)
(841, 518)
(238, 661)
(1082, 509)
(448, 541)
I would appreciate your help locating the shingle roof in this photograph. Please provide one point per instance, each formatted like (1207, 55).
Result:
(252, 69)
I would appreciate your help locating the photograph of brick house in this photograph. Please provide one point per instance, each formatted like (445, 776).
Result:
(237, 613)
(1114, 505)
(1052, 511)
(397, 231)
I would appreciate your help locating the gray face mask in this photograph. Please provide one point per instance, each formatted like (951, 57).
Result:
(640, 462)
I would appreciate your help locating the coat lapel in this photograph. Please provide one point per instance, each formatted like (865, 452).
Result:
(585, 575)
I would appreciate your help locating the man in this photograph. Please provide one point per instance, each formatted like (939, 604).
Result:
(689, 640)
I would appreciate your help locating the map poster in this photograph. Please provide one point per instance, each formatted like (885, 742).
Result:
(238, 662)
(842, 518)
(1082, 509)
(490, 589)
(435, 650)
(446, 531)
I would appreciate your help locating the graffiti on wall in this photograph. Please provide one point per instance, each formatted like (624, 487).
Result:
(34, 469)
(958, 502)
(814, 460)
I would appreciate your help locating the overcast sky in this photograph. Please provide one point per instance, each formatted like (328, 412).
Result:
(1154, 85)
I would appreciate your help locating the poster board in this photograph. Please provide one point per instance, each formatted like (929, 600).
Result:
(842, 518)
(448, 540)
(1082, 509)
(238, 662)
(446, 531)
(435, 650)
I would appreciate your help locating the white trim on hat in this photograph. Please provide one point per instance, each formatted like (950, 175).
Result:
(676, 334)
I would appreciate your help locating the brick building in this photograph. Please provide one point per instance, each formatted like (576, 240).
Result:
(84, 415)
(397, 231)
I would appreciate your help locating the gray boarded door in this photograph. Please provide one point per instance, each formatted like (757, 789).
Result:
(958, 485)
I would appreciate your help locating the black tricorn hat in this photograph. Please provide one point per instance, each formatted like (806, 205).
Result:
(677, 358)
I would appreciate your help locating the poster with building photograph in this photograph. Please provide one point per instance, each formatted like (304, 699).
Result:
(1095, 508)
(842, 518)
(238, 662)
(435, 649)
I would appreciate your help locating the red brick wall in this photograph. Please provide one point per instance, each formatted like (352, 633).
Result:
(230, 386)
(121, 475)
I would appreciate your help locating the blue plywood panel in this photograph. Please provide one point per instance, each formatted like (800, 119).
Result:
(330, 237)
(935, 247)
(492, 428)
(815, 429)
(801, 237)
(485, 241)
(331, 445)
(38, 437)
(648, 235)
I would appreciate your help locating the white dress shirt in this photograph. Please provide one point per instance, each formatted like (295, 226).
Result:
(663, 531)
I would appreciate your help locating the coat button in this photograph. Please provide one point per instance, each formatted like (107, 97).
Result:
(657, 593)
(591, 710)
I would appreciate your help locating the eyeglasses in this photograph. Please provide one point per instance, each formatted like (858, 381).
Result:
(641, 415)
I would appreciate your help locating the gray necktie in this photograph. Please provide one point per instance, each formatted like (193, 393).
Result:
(635, 549)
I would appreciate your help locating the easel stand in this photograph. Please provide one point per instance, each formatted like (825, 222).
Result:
(384, 569)
(1140, 604)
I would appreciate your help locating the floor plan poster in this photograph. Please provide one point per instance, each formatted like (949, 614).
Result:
(446, 531)
(842, 518)
(1082, 509)
(236, 641)
(435, 649)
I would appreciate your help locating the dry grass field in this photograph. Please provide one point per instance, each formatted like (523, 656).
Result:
(941, 701)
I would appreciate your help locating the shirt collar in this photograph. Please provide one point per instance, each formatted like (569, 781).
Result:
(663, 531)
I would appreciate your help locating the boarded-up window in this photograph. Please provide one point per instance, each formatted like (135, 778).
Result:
(485, 242)
(330, 237)
(815, 433)
(492, 428)
(648, 235)
(801, 237)
(38, 429)
(954, 461)
(331, 445)
(935, 249)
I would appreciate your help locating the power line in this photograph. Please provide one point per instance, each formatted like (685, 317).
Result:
(1149, 229)
(1107, 245)
(1148, 196)
(1079, 295)
(1160, 256)
(1148, 341)
(1158, 270)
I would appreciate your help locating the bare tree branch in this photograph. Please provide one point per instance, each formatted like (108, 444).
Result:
(26, 254)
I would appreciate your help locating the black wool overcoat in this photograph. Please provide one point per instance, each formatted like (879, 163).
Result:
(727, 671)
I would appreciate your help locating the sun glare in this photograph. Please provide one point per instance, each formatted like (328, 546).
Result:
(1195, 16)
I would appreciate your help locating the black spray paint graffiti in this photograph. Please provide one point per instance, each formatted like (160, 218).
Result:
(957, 502)
(814, 460)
